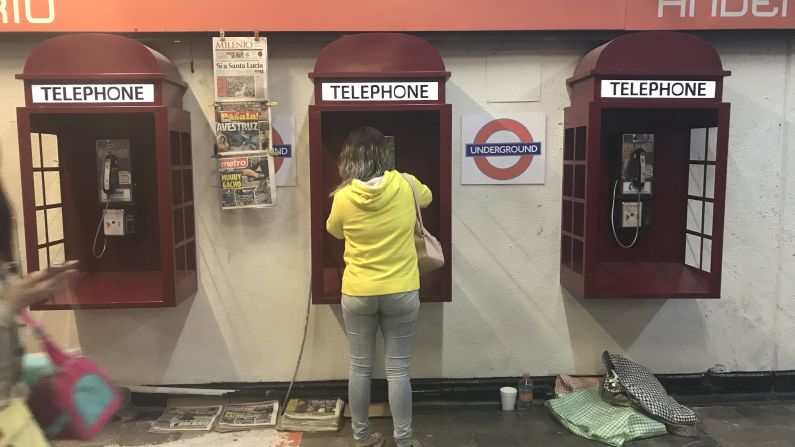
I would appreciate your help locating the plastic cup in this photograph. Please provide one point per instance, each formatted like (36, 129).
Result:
(508, 397)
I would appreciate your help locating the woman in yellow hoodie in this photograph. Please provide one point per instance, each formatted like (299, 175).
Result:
(373, 211)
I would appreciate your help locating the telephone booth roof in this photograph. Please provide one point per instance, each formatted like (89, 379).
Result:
(655, 53)
(371, 55)
(98, 57)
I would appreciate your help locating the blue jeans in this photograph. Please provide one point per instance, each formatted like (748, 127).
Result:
(397, 315)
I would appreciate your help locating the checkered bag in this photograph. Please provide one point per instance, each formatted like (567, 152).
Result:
(627, 377)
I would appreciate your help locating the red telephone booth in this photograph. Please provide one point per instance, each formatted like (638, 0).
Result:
(644, 171)
(395, 83)
(92, 99)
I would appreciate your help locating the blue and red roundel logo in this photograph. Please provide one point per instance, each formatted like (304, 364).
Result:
(281, 150)
(525, 148)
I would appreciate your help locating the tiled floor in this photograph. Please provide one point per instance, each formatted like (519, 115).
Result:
(756, 421)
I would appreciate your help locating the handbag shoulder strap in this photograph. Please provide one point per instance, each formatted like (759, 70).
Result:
(416, 199)
(58, 356)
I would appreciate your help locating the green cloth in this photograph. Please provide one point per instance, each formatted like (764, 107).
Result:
(585, 414)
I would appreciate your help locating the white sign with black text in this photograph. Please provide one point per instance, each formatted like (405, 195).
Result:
(380, 91)
(92, 93)
(612, 88)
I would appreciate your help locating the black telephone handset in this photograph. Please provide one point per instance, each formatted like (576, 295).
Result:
(636, 169)
(110, 175)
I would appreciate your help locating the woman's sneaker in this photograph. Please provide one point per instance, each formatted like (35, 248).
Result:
(415, 443)
(374, 440)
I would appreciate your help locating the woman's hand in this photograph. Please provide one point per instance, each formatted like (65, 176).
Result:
(37, 286)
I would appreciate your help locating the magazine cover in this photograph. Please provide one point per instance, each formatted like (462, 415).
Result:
(246, 416)
(313, 408)
(246, 181)
(186, 419)
(242, 127)
(241, 68)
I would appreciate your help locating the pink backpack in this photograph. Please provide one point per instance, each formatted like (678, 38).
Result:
(77, 400)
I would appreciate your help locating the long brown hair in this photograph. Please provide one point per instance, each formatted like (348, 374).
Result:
(364, 155)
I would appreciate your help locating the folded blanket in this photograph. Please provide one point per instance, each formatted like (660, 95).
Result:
(585, 414)
(565, 384)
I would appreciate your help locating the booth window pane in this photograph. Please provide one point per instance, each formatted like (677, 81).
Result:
(57, 254)
(695, 185)
(41, 227)
(698, 144)
(577, 256)
(566, 221)
(189, 228)
(706, 255)
(190, 251)
(568, 144)
(568, 180)
(176, 186)
(179, 258)
(187, 185)
(579, 182)
(693, 251)
(179, 226)
(580, 136)
(187, 155)
(35, 149)
(709, 183)
(176, 150)
(52, 187)
(712, 144)
(694, 211)
(565, 250)
(579, 219)
(54, 224)
(43, 261)
(49, 149)
(38, 188)
(708, 218)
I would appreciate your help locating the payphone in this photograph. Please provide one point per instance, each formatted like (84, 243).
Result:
(632, 189)
(644, 170)
(106, 172)
(116, 192)
(395, 83)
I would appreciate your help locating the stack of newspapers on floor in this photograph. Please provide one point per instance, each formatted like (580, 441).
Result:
(231, 417)
(310, 415)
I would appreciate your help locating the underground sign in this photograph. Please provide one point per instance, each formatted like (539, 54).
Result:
(503, 150)
(283, 149)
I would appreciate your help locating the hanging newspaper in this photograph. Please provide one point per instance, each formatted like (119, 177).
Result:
(241, 68)
(242, 127)
(246, 180)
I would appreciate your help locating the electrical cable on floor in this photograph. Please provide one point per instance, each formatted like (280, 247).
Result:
(301, 352)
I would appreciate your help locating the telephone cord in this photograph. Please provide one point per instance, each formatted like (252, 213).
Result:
(613, 218)
(96, 235)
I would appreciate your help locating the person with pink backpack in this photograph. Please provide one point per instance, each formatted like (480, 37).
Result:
(75, 398)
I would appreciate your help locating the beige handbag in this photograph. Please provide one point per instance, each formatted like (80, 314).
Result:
(429, 251)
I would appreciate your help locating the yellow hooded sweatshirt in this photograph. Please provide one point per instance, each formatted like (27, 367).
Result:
(376, 218)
